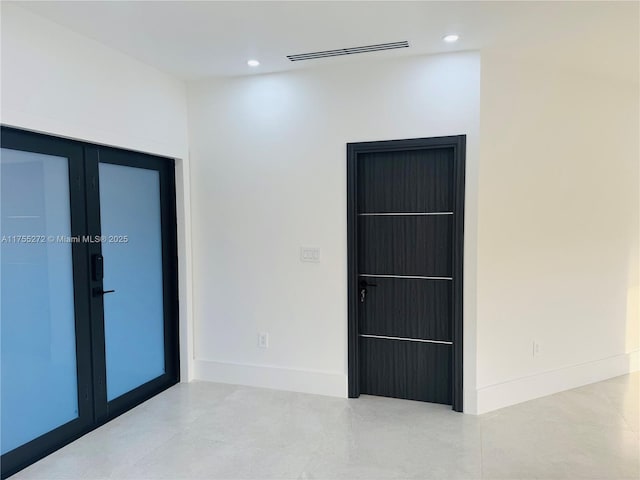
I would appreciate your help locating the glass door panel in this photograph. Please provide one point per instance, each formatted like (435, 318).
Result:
(130, 218)
(37, 317)
(88, 289)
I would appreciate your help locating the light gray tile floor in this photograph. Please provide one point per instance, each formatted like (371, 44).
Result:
(214, 431)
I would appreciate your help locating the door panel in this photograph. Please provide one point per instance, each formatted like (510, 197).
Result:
(45, 379)
(406, 369)
(404, 307)
(38, 314)
(405, 217)
(132, 252)
(421, 185)
(405, 245)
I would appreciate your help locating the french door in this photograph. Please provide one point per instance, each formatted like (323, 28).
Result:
(88, 288)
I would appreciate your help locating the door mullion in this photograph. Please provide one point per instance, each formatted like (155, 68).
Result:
(80, 286)
(94, 249)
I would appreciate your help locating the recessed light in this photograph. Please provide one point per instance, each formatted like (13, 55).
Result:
(451, 38)
(253, 63)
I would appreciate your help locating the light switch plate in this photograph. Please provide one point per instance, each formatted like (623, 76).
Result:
(310, 254)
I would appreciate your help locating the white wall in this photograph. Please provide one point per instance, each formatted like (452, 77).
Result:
(558, 242)
(58, 82)
(268, 159)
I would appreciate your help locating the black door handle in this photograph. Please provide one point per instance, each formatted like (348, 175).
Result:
(365, 284)
(97, 291)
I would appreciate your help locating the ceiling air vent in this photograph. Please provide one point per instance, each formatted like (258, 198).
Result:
(348, 51)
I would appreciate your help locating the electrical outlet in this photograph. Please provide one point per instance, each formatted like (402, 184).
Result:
(536, 349)
(263, 340)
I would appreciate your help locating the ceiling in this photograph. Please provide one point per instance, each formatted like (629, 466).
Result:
(199, 39)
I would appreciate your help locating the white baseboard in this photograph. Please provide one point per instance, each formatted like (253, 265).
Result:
(489, 398)
(503, 394)
(279, 378)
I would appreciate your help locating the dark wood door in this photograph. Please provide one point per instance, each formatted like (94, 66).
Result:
(405, 231)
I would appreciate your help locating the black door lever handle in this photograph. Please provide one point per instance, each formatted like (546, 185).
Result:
(97, 291)
(365, 284)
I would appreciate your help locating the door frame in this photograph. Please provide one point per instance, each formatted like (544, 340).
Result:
(94, 410)
(458, 144)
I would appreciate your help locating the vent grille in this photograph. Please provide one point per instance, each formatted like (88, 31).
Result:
(348, 51)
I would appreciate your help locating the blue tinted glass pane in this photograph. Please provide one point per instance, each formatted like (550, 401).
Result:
(39, 386)
(133, 315)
